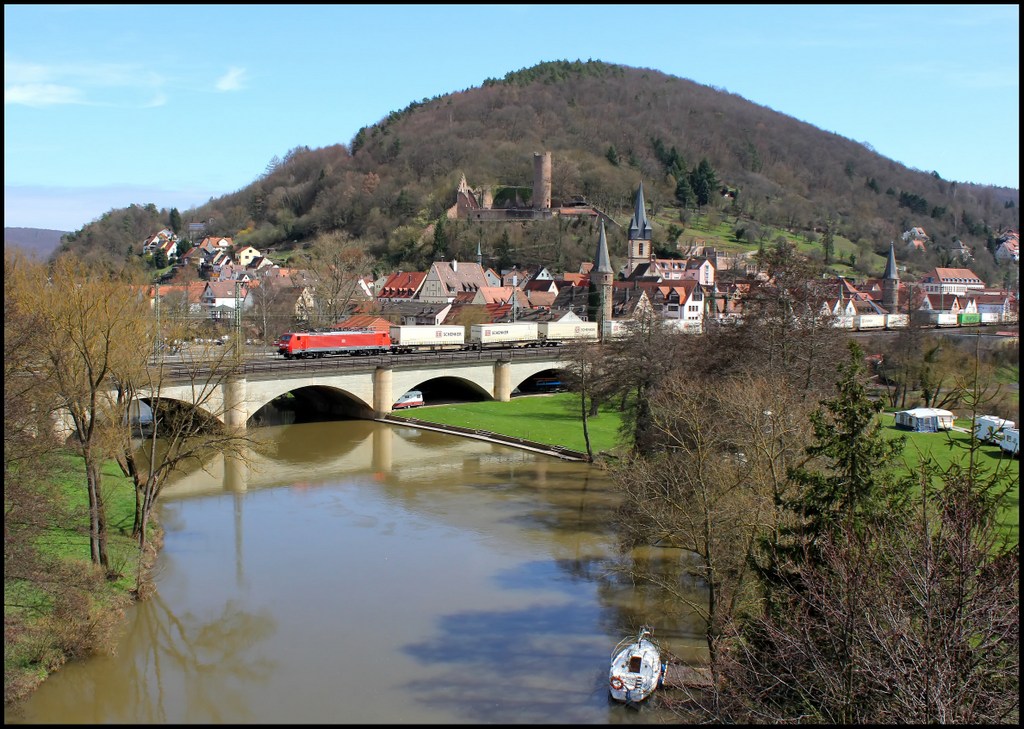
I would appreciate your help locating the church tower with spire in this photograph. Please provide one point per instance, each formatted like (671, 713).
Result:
(891, 283)
(640, 247)
(601, 286)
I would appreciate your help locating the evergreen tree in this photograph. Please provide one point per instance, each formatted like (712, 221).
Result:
(854, 488)
(684, 193)
(704, 182)
(828, 241)
(440, 249)
(175, 220)
(504, 251)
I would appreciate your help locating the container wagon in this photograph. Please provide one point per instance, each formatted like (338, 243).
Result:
(865, 322)
(519, 334)
(418, 338)
(897, 321)
(553, 333)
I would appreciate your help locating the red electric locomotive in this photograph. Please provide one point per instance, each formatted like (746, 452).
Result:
(297, 345)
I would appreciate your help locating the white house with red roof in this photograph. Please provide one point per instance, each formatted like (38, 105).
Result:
(401, 286)
(219, 297)
(1009, 248)
(683, 304)
(955, 281)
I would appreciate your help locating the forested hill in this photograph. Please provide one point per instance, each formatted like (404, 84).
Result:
(607, 127)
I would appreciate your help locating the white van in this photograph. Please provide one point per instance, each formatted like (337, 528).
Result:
(411, 399)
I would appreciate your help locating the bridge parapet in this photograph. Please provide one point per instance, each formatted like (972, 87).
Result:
(372, 384)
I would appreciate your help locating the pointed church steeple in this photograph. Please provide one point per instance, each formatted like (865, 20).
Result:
(891, 282)
(639, 248)
(890, 267)
(601, 286)
(639, 228)
(602, 263)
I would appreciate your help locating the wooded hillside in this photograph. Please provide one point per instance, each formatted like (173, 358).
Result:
(608, 127)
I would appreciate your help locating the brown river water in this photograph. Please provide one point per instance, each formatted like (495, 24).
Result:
(371, 573)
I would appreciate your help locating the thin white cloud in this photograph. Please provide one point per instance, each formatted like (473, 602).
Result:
(98, 84)
(159, 99)
(233, 80)
(37, 95)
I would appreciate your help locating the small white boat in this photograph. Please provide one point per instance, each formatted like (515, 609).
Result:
(636, 668)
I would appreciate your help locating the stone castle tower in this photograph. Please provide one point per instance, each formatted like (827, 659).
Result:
(542, 181)
(640, 249)
(601, 286)
(891, 283)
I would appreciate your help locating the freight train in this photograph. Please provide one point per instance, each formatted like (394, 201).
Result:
(424, 338)
(937, 319)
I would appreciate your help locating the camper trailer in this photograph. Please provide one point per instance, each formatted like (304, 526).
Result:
(988, 428)
(925, 420)
(1010, 442)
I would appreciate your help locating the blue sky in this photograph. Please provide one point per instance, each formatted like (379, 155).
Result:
(106, 105)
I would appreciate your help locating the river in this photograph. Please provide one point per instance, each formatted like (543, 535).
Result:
(369, 573)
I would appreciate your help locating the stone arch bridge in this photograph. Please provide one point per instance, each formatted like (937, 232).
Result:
(356, 387)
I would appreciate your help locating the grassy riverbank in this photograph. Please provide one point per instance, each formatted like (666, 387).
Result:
(555, 420)
(550, 419)
(76, 609)
(48, 628)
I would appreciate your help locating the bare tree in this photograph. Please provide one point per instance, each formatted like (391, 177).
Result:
(912, 623)
(586, 375)
(894, 607)
(706, 493)
(91, 325)
(336, 266)
(183, 433)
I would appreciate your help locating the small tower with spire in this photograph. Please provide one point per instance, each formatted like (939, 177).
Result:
(601, 285)
(639, 234)
(891, 283)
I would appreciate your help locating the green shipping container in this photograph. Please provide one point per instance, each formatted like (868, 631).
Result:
(963, 319)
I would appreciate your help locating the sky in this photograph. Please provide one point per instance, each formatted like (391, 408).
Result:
(105, 105)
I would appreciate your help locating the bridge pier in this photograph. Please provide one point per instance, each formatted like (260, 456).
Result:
(382, 396)
(502, 380)
(383, 449)
(235, 414)
(236, 471)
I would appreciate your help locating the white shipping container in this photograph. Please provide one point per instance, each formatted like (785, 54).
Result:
(619, 327)
(503, 333)
(869, 321)
(943, 319)
(567, 329)
(411, 336)
(991, 317)
(897, 321)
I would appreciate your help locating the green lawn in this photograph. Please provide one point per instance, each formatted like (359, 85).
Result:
(555, 420)
(946, 448)
(551, 419)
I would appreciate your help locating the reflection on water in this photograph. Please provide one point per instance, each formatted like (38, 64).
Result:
(361, 572)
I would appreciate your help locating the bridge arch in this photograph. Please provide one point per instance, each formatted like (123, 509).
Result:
(323, 399)
(362, 389)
